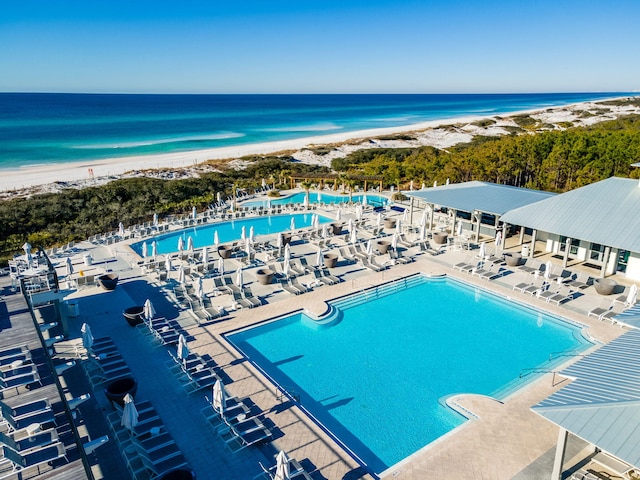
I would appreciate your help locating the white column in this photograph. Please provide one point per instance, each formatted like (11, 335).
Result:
(411, 211)
(479, 215)
(533, 243)
(558, 461)
(567, 247)
(605, 261)
(453, 223)
(521, 236)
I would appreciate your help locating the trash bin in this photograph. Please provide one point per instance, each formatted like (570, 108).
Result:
(73, 308)
(525, 250)
(88, 260)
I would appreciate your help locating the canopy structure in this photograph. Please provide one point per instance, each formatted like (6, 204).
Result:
(602, 404)
(477, 198)
(601, 212)
(334, 178)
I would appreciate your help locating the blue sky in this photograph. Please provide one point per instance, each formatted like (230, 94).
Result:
(346, 46)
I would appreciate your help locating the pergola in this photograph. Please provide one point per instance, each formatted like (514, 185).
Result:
(476, 198)
(323, 178)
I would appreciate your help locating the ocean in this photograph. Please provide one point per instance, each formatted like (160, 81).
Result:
(40, 128)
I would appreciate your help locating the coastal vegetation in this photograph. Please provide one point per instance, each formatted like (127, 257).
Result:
(557, 160)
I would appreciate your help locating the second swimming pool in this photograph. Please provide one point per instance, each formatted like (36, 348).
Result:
(202, 235)
(378, 375)
(317, 197)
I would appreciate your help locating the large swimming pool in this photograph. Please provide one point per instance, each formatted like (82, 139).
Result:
(378, 375)
(317, 197)
(202, 235)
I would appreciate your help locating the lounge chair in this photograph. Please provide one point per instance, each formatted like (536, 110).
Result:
(33, 458)
(158, 468)
(250, 297)
(20, 442)
(18, 372)
(581, 281)
(17, 423)
(24, 357)
(230, 286)
(397, 257)
(598, 312)
(296, 268)
(346, 255)
(531, 266)
(15, 351)
(296, 471)
(491, 274)
(20, 381)
(200, 378)
(25, 409)
(245, 434)
(241, 301)
(371, 265)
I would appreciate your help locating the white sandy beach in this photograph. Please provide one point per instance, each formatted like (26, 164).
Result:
(43, 178)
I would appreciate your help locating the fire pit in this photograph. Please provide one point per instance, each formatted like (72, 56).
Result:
(108, 281)
(264, 276)
(134, 315)
(118, 389)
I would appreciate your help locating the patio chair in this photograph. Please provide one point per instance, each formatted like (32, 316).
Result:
(22, 442)
(161, 467)
(18, 371)
(327, 274)
(346, 255)
(13, 424)
(33, 458)
(296, 268)
(531, 266)
(250, 297)
(581, 281)
(397, 257)
(20, 381)
(25, 409)
(465, 266)
(213, 311)
(15, 351)
(287, 287)
(245, 434)
(200, 378)
(229, 285)
(241, 301)
(598, 312)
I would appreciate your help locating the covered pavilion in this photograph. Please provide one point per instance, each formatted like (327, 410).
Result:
(601, 406)
(596, 224)
(483, 203)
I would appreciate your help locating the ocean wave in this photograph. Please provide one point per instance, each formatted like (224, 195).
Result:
(320, 127)
(146, 143)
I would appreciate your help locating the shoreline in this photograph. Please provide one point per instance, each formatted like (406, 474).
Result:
(38, 177)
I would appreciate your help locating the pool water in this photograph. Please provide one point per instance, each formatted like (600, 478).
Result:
(202, 235)
(317, 197)
(378, 375)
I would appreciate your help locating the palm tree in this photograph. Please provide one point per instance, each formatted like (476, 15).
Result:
(350, 183)
(306, 185)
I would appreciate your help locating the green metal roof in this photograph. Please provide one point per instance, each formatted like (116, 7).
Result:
(483, 196)
(605, 212)
(602, 404)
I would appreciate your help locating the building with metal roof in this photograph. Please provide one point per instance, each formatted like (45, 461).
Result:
(602, 403)
(479, 199)
(597, 224)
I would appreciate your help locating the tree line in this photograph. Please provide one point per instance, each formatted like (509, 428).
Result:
(555, 161)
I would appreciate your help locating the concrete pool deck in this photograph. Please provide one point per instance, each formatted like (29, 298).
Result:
(502, 441)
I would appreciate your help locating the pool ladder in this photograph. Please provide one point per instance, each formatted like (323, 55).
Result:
(284, 394)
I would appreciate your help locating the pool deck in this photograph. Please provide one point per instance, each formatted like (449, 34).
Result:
(501, 441)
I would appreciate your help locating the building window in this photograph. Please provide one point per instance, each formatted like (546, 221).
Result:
(623, 259)
(596, 252)
(575, 243)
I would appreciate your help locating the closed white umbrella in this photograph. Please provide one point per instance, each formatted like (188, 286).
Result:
(399, 227)
(364, 200)
(394, 241)
(498, 240)
(286, 264)
(411, 185)
(423, 232)
(183, 348)
(239, 281)
(483, 250)
(359, 212)
(282, 467)
(220, 266)
(219, 397)
(155, 219)
(190, 243)
(547, 269)
(325, 231)
(180, 244)
(154, 248)
(243, 233)
(87, 336)
(216, 239)
(305, 202)
(378, 219)
(633, 295)
(264, 183)
(194, 212)
(316, 221)
(423, 186)
(181, 274)
(252, 234)
(350, 225)
(219, 197)
(69, 267)
(199, 289)
(279, 241)
(268, 203)
(369, 248)
(129, 413)
(205, 255)
(144, 249)
(353, 236)
(405, 216)
(247, 247)
(319, 258)
(149, 310)
(167, 264)
(447, 181)
(435, 183)
(319, 196)
(292, 225)
(121, 229)
(339, 213)
(459, 229)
